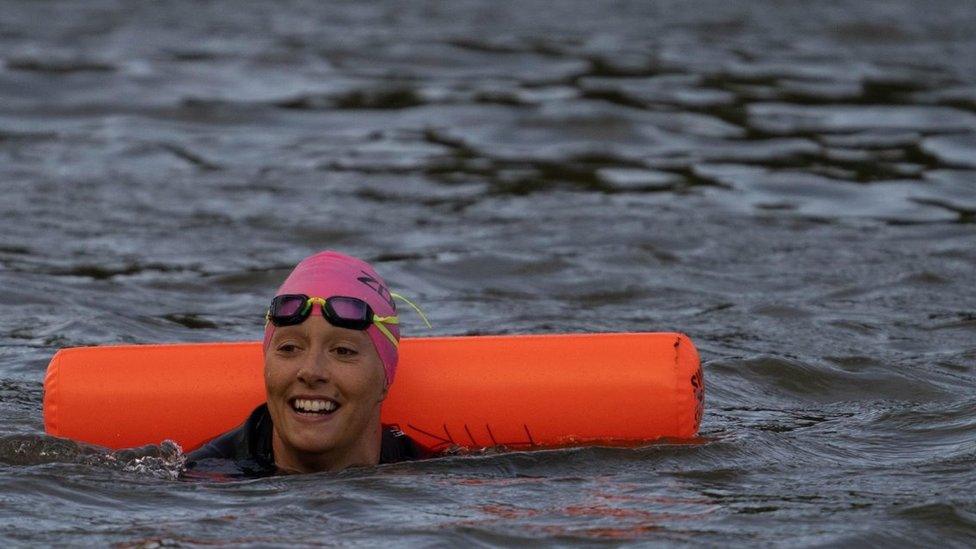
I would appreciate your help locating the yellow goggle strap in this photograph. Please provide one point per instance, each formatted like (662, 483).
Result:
(379, 321)
(416, 308)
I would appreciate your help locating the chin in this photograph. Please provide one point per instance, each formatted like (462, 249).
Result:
(332, 435)
(311, 440)
(314, 446)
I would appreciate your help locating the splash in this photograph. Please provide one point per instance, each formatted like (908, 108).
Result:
(163, 461)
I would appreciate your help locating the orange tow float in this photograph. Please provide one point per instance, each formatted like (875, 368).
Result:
(521, 392)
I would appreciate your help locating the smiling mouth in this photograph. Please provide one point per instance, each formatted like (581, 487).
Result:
(314, 406)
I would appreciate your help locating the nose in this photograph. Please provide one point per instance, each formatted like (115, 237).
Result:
(316, 369)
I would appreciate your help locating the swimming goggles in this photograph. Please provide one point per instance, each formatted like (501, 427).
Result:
(340, 311)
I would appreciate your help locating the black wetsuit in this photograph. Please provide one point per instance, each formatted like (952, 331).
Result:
(249, 448)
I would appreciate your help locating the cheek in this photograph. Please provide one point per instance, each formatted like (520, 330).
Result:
(376, 384)
(366, 381)
(275, 377)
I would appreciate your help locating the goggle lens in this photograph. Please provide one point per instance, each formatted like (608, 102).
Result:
(348, 308)
(289, 306)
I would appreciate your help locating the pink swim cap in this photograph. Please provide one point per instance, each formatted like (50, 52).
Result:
(327, 274)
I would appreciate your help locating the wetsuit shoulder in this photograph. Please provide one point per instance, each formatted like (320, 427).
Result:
(396, 446)
(248, 445)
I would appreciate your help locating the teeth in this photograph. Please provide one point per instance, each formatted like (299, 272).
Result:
(306, 405)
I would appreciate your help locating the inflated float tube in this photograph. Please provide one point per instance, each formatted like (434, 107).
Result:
(529, 391)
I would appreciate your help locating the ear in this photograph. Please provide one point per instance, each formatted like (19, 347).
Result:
(384, 392)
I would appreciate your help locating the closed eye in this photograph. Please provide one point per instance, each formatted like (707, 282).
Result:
(287, 348)
(345, 351)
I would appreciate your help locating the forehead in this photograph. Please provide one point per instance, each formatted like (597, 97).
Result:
(316, 327)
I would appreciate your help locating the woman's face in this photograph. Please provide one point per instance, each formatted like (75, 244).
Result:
(325, 386)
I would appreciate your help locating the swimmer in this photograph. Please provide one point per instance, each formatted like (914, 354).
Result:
(330, 355)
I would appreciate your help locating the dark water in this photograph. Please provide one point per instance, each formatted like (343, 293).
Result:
(794, 186)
